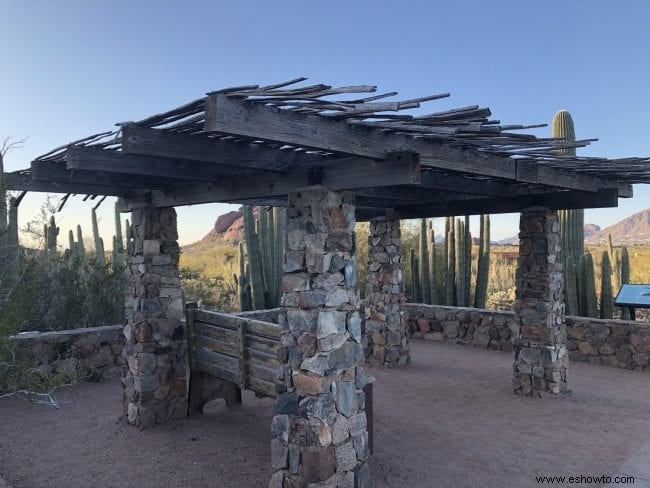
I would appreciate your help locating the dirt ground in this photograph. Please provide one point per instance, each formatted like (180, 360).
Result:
(448, 420)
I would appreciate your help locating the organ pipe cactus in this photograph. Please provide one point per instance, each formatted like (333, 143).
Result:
(423, 264)
(588, 287)
(415, 278)
(483, 264)
(606, 302)
(100, 258)
(265, 246)
(451, 265)
(460, 263)
(433, 276)
(243, 281)
(625, 278)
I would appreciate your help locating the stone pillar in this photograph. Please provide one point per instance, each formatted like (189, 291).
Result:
(155, 371)
(386, 341)
(541, 359)
(319, 435)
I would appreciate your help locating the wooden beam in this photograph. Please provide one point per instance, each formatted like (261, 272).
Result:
(84, 158)
(554, 201)
(56, 172)
(24, 182)
(227, 115)
(397, 169)
(228, 153)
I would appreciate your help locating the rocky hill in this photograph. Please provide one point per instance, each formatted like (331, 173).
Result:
(634, 229)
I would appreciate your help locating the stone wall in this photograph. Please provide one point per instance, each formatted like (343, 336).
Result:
(92, 352)
(618, 343)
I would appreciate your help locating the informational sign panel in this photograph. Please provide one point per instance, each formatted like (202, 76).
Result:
(636, 296)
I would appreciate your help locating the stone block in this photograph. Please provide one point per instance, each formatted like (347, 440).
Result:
(345, 396)
(318, 464)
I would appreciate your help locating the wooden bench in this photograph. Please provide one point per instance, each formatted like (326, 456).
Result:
(230, 353)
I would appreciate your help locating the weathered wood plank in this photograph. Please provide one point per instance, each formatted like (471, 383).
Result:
(238, 155)
(215, 345)
(343, 175)
(84, 158)
(216, 332)
(261, 386)
(216, 371)
(231, 116)
(222, 360)
(24, 182)
(243, 359)
(262, 371)
(267, 345)
(554, 201)
(270, 359)
(190, 329)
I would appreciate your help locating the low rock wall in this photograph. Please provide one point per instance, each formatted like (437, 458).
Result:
(618, 343)
(91, 352)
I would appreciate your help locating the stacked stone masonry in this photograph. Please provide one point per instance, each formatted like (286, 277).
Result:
(539, 342)
(386, 341)
(617, 343)
(319, 433)
(76, 354)
(155, 369)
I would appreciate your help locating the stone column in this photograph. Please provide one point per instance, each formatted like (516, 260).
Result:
(155, 371)
(319, 435)
(541, 359)
(385, 340)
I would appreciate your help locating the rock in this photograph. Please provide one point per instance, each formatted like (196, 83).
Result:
(424, 325)
(279, 454)
(286, 404)
(311, 384)
(641, 340)
(330, 323)
(346, 457)
(318, 463)
(345, 396)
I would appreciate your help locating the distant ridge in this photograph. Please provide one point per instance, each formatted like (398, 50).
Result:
(634, 229)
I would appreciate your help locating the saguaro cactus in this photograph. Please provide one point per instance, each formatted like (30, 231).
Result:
(483, 265)
(460, 263)
(606, 302)
(12, 243)
(572, 224)
(416, 288)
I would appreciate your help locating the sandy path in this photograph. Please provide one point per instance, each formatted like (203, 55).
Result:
(449, 420)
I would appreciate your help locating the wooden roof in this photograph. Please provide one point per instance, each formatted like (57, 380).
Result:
(256, 144)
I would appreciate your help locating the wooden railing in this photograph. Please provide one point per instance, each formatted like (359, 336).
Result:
(244, 351)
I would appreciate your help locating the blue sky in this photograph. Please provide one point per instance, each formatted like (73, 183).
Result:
(71, 68)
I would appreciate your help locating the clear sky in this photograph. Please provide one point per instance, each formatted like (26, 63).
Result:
(72, 68)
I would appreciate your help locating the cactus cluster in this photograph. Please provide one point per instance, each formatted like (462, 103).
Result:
(444, 275)
(260, 280)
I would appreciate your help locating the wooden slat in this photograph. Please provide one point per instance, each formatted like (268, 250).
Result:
(215, 345)
(262, 386)
(216, 332)
(268, 358)
(263, 344)
(222, 360)
(254, 327)
(262, 371)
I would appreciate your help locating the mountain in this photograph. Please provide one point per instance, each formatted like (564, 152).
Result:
(634, 229)
(591, 230)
